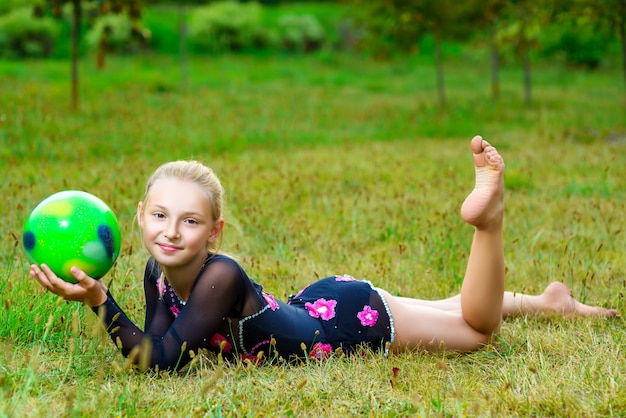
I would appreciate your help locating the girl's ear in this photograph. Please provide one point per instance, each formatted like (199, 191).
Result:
(217, 230)
(140, 214)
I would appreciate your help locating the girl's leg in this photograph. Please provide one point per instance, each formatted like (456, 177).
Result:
(483, 285)
(556, 299)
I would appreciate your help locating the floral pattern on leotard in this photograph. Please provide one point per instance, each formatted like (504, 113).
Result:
(344, 278)
(160, 284)
(220, 342)
(163, 288)
(368, 316)
(320, 351)
(322, 308)
(271, 301)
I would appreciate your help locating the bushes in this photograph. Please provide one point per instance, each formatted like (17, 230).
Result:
(244, 26)
(227, 26)
(117, 33)
(301, 33)
(578, 42)
(232, 26)
(24, 35)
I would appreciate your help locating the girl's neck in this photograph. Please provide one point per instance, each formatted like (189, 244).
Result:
(182, 278)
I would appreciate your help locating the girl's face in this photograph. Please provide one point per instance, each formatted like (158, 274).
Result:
(177, 222)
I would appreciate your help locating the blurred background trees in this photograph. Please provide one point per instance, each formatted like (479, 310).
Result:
(581, 33)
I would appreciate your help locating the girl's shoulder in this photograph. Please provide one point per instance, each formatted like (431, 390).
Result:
(221, 258)
(223, 262)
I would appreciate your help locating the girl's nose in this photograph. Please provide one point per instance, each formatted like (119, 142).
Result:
(171, 232)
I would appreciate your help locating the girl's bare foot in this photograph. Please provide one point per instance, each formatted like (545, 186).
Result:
(484, 207)
(559, 299)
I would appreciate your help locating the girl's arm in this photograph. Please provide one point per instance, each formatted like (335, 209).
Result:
(167, 341)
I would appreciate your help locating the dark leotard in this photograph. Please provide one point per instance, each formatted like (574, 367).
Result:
(228, 311)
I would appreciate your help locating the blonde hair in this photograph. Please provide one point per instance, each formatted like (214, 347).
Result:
(198, 173)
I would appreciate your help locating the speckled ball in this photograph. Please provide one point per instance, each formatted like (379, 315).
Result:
(72, 228)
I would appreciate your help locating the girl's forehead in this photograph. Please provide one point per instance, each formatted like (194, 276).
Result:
(176, 190)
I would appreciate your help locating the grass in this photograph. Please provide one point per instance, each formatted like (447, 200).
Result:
(332, 164)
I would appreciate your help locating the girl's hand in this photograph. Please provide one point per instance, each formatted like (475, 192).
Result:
(87, 290)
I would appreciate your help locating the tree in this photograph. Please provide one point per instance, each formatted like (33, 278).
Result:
(492, 13)
(489, 13)
(521, 28)
(132, 7)
(610, 16)
(402, 23)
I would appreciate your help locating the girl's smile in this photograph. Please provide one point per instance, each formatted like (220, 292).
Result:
(167, 248)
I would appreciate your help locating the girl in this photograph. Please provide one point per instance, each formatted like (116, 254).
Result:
(197, 298)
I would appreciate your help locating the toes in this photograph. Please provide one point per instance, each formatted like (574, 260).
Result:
(477, 144)
(484, 153)
(493, 158)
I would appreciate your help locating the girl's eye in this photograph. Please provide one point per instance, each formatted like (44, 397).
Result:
(158, 215)
(191, 221)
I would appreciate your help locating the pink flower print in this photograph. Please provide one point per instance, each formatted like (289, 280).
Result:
(270, 301)
(321, 351)
(219, 341)
(175, 311)
(161, 285)
(250, 358)
(344, 278)
(368, 316)
(322, 308)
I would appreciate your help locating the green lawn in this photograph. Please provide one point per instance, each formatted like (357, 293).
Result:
(332, 164)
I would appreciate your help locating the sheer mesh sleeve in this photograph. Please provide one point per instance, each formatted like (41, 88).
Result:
(218, 291)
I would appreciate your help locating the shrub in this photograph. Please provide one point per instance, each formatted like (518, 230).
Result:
(578, 42)
(301, 32)
(24, 35)
(228, 26)
(119, 33)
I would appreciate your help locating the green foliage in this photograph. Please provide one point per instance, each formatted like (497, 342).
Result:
(301, 32)
(164, 22)
(24, 35)
(400, 25)
(8, 5)
(228, 26)
(579, 44)
(386, 28)
(119, 33)
(521, 25)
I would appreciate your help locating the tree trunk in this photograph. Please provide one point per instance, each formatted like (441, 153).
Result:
(74, 57)
(527, 83)
(495, 63)
(439, 66)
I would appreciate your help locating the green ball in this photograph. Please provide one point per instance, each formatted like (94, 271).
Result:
(72, 228)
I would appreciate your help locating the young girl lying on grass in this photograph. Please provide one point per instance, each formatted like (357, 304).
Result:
(198, 298)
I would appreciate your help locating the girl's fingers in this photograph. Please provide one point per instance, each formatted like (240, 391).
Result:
(50, 281)
(40, 276)
(69, 291)
(78, 274)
